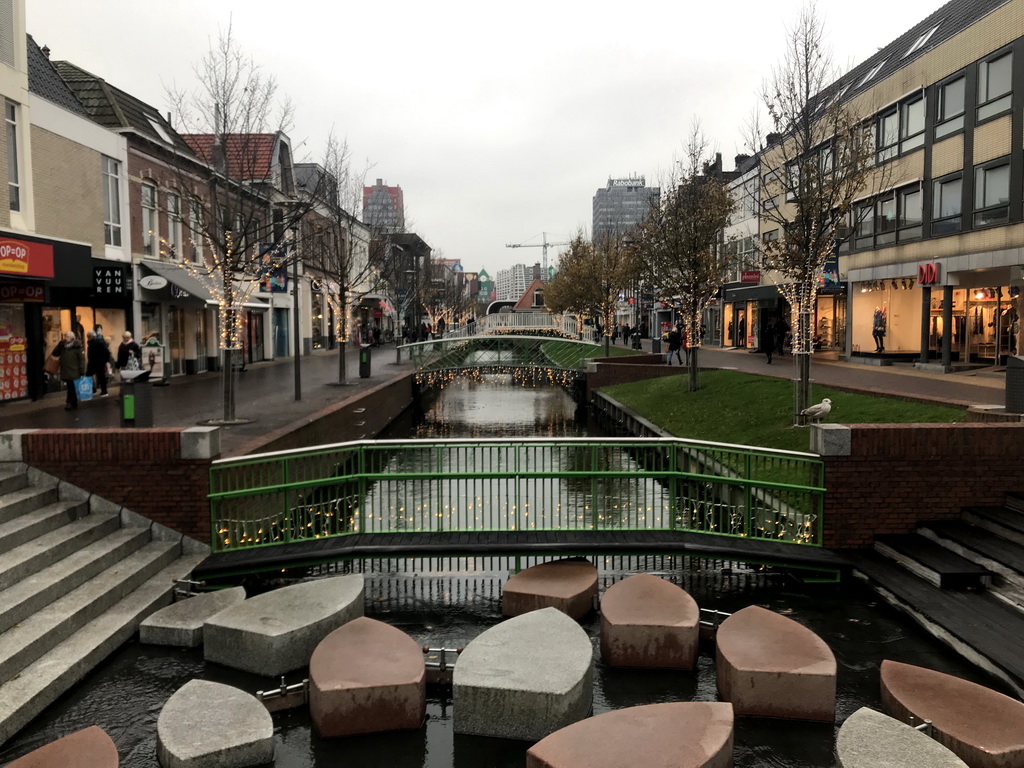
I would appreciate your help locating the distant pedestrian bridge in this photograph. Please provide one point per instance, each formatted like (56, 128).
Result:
(474, 497)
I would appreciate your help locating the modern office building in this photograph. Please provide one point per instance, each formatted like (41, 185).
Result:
(511, 283)
(383, 208)
(621, 205)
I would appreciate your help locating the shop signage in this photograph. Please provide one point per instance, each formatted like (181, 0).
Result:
(928, 274)
(177, 292)
(153, 282)
(18, 257)
(273, 276)
(750, 276)
(21, 293)
(109, 281)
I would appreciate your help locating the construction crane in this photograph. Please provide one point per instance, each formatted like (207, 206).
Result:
(545, 245)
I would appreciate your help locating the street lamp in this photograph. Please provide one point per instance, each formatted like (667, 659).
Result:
(295, 309)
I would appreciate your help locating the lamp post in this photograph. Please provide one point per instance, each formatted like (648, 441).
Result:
(295, 311)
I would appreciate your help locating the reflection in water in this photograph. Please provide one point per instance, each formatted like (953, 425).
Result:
(449, 601)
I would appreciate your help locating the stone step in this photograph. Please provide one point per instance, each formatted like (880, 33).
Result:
(1003, 521)
(13, 479)
(39, 521)
(932, 562)
(43, 551)
(27, 694)
(18, 502)
(24, 643)
(1015, 501)
(35, 592)
(1004, 558)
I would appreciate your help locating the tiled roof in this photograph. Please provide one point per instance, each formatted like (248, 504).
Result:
(526, 300)
(116, 109)
(43, 80)
(951, 19)
(249, 157)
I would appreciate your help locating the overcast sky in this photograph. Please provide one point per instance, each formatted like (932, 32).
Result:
(498, 120)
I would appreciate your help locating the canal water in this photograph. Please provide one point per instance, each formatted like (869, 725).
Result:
(447, 602)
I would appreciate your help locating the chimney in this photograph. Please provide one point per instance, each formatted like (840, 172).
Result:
(740, 160)
(772, 138)
(46, 51)
(380, 182)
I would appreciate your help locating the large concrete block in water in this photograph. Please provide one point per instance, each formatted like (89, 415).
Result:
(524, 678)
(649, 622)
(771, 666)
(367, 677)
(210, 725)
(88, 748)
(181, 624)
(869, 739)
(982, 727)
(276, 632)
(568, 585)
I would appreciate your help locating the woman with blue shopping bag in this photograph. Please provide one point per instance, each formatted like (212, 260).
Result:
(72, 366)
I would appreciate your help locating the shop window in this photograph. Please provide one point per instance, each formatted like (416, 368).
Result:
(150, 233)
(111, 201)
(174, 226)
(946, 206)
(994, 86)
(864, 226)
(885, 219)
(909, 203)
(949, 116)
(13, 179)
(991, 194)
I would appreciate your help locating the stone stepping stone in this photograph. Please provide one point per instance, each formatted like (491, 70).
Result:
(276, 632)
(524, 678)
(869, 739)
(568, 585)
(367, 677)
(649, 622)
(181, 624)
(88, 748)
(771, 666)
(677, 735)
(210, 725)
(982, 727)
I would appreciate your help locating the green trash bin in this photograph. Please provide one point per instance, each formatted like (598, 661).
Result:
(136, 403)
(364, 361)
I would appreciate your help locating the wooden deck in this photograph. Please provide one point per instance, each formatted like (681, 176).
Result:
(490, 543)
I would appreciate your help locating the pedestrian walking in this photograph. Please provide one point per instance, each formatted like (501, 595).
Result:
(675, 343)
(768, 341)
(129, 354)
(72, 366)
(98, 358)
(781, 332)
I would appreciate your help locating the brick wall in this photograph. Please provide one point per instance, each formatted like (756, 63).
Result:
(68, 189)
(140, 469)
(898, 475)
(612, 370)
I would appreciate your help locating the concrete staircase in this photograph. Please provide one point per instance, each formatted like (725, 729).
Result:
(77, 576)
(962, 580)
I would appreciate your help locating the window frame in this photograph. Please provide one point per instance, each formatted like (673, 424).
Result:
(948, 124)
(174, 239)
(111, 170)
(195, 228)
(998, 105)
(912, 141)
(150, 220)
(884, 151)
(11, 119)
(885, 235)
(990, 215)
(906, 230)
(952, 223)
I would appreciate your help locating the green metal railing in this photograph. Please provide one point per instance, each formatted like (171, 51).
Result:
(529, 484)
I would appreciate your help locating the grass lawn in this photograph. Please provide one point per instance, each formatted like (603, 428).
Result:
(734, 407)
(569, 354)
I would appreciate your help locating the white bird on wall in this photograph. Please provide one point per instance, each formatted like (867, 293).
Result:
(819, 411)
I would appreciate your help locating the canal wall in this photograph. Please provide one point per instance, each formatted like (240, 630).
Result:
(606, 371)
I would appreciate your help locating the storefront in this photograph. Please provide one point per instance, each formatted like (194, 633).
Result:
(177, 312)
(747, 310)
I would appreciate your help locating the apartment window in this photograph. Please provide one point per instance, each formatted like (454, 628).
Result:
(921, 41)
(864, 226)
(195, 228)
(111, 201)
(946, 204)
(949, 116)
(887, 136)
(885, 219)
(149, 225)
(992, 194)
(994, 86)
(912, 124)
(909, 202)
(871, 73)
(174, 226)
(13, 182)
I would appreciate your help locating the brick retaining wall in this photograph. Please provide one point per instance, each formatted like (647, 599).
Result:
(899, 474)
(141, 469)
(606, 371)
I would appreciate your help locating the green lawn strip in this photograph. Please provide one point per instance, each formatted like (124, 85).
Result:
(570, 354)
(734, 407)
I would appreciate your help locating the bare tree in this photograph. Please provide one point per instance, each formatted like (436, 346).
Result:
(819, 161)
(242, 209)
(680, 239)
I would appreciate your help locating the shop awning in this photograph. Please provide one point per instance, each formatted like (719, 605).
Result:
(256, 304)
(181, 286)
(753, 293)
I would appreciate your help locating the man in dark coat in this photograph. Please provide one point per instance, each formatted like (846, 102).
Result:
(72, 366)
(98, 356)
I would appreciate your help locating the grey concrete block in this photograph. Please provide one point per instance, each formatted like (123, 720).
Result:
(200, 443)
(210, 725)
(39, 479)
(181, 624)
(831, 439)
(70, 492)
(276, 632)
(524, 678)
(100, 506)
(869, 739)
(10, 444)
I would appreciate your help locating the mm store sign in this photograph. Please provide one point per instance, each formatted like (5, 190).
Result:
(25, 259)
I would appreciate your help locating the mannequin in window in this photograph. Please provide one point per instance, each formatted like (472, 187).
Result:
(878, 329)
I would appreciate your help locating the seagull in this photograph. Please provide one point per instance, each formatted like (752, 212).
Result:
(819, 411)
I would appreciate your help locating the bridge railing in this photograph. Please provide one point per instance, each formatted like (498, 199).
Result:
(392, 486)
(525, 322)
